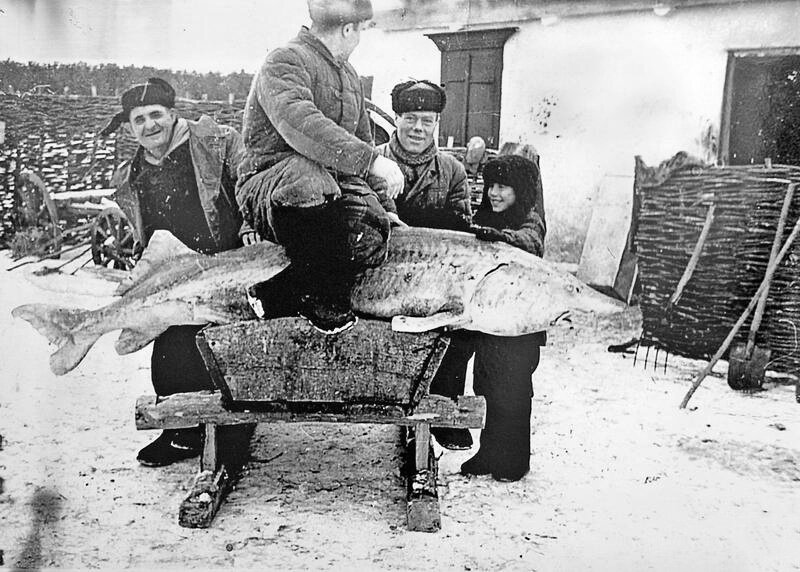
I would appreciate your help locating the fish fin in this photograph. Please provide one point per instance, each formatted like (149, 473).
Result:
(130, 341)
(162, 247)
(56, 323)
(164, 315)
(68, 356)
(213, 316)
(413, 325)
(62, 327)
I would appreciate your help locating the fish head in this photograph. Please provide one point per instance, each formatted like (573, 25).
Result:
(517, 299)
(583, 299)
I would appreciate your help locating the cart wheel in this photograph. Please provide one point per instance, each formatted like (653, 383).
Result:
(36, 209)
(112, 240)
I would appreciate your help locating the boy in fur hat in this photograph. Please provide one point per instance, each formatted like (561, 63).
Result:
(512, 208)
(512, 211)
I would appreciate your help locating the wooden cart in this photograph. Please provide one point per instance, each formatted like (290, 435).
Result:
(84, 218)
(283, 370)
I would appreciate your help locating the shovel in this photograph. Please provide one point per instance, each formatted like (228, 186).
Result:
(747, 363)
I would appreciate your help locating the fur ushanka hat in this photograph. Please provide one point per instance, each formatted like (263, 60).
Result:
(339, 11)
(155, 91)
(514, 171)
(416, 95)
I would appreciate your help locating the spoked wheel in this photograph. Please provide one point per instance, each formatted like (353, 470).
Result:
(112, 240)
(37, 212)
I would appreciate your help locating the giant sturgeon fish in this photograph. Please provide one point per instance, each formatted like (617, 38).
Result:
(431, 279)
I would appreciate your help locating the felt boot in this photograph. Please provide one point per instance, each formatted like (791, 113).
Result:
(278, 297)
(172, 446)
(478, 464)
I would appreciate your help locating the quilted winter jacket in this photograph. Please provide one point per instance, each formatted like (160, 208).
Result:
(216, 151)
(303, 101)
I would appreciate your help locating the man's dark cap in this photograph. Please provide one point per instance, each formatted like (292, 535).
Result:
(155, 91)
(339, 11)
(416, 95)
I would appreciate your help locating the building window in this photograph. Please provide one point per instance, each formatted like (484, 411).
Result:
(472, 75)
(761, 107)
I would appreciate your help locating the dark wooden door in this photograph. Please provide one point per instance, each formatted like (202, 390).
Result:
(761, 116)
(472, 75)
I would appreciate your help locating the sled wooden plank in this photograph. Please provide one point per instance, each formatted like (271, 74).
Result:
(286, 359)
(435, 356)
(212, 366)
(423, 513)
(184, 410)
(467, 411)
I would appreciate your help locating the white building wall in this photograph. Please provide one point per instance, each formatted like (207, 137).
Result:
(391, 58)
(614, 86)
(590, 93)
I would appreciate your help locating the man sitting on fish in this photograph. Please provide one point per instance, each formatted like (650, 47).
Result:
(181, 179)
(308, 149)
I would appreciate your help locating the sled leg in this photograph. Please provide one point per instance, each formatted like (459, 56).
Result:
(423, 501)
(217, 473)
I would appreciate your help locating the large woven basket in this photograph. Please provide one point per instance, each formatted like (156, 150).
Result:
(672, 202)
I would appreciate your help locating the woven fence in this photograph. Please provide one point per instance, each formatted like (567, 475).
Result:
(673, 203)
(54, 136)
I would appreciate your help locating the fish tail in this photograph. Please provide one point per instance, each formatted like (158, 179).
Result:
(63, 328)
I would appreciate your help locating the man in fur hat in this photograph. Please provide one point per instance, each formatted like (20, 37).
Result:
(436, 192)
(435, 195)
(182, 179)
(308, 152)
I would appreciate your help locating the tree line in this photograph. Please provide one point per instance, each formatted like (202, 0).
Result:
(111, 79)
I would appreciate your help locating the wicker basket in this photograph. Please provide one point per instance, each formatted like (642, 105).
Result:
(671, 204)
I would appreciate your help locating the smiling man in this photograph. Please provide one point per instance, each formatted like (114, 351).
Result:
(182, 179)
(436, 195)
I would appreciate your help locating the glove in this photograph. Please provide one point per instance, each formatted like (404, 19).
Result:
(488, 233)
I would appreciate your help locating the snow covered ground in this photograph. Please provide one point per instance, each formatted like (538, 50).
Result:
(621, 478)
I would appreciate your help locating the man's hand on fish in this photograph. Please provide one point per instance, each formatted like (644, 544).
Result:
(388, 170)
(250, 237)
(395, 220)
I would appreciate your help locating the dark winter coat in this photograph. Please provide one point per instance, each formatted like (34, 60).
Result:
(436, 194)
(522, 224)
(216, 151)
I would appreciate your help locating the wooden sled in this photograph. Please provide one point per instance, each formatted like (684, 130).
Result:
(283, 370)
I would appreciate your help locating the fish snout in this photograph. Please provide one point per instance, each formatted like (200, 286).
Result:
(590, 301)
